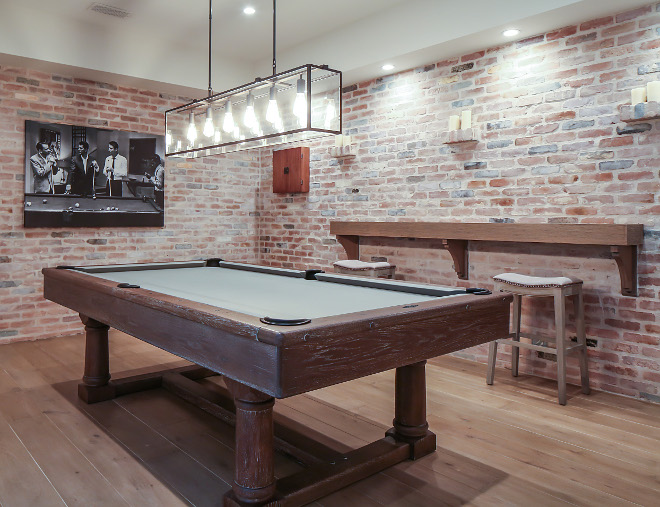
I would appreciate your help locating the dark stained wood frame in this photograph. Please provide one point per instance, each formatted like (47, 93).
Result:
(623, 239)
(262, 362)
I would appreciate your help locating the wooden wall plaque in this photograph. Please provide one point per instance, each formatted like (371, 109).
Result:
(291, 170)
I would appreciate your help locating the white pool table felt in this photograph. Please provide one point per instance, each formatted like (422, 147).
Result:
(262, 295)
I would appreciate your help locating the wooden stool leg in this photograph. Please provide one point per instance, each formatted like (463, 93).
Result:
(492, 356)
(560, 324)
(515, 351)
(578, 305)
(254, 475)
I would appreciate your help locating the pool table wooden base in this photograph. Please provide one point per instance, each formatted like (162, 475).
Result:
(259, 432)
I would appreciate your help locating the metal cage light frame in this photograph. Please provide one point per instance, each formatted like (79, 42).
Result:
(299, 104)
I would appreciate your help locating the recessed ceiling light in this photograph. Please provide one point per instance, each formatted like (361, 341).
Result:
(511, 32)
(249, 11)
(388, 66)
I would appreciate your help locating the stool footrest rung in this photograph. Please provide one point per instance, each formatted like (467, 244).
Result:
(525, 345)
(534, 337)
(533, 346)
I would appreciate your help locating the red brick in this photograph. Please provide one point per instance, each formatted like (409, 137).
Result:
(597, 67)
(561, 33)
(616, 141)
(649, 46)
(473, 56)
(633, 37)
(635, 13)
(599, 44)
(559, 116)
(618, 29)
(597, 23)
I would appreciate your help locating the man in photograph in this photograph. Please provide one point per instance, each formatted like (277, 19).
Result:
(115, 169)
(44, 167)
(83, 172)
(158, 179)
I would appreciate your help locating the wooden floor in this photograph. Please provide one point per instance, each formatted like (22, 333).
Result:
(506, 444)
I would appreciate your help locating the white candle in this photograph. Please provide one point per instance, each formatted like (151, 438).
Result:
(346, 141)
(338, 140)
(454, 122)
(466, 119)
(653, 91)
(638, 95)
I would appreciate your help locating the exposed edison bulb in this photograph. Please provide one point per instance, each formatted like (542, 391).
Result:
(192, 131)
(330, 113)
(217, 137)
(178, 145)
(228, 123)
(209, 130)
(273, 111)
(300, 104)
(250, 119)
(168, 137)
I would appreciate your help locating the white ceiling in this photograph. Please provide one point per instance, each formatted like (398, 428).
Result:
(163, 44)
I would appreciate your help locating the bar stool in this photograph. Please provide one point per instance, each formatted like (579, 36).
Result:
(361, 268)
(559, 288)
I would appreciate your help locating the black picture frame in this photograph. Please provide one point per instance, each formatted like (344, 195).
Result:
(120, 186)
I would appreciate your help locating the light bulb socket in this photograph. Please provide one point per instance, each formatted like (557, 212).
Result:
(191, 118)
(300, 84)
(209, 113)
(249, 101)
(271, 95)
(228, 107)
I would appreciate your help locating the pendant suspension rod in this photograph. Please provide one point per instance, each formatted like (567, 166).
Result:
(274, 32)
(210, 18)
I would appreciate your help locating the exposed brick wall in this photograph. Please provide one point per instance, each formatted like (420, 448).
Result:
(209, 203)
(551, 149)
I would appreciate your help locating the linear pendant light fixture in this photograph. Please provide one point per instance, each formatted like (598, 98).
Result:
(296, 105)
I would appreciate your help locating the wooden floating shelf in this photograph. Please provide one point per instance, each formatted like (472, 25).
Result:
(640, 112)
(460, 136)
(622, 239)
(342, 151)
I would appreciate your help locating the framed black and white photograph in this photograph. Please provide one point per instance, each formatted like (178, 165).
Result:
(88, 177)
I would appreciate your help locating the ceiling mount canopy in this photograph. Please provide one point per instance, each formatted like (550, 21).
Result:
(295, 105)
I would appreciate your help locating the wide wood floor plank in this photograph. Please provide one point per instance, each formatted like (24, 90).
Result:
(613, 404)
(117, 465)
(165, 460)
(647, 424)
(18, 368)
(560, 423)
(61, 462)
(22, 482)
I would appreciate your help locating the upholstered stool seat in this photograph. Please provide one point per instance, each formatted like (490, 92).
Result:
(361, 268)
(559, 288)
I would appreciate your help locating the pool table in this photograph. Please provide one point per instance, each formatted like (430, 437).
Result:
(274, 333)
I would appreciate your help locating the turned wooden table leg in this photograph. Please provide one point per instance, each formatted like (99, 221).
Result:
(410, 410)
(95, 385)
(254, 474)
